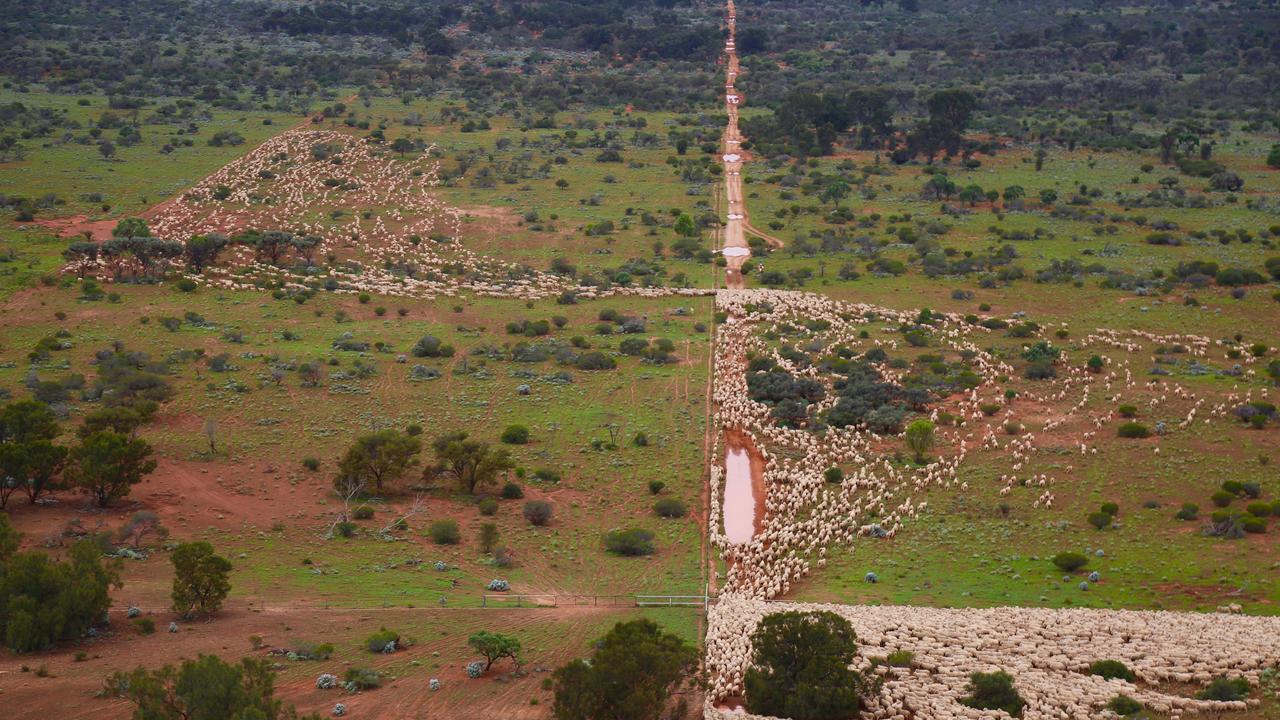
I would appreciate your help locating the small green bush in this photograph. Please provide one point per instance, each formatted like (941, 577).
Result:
(632, 542)
(1124, 706)
(656, 486)
(512, 491)
(1100, 520)
(1110, 508)
(444, 532)
(515, 435)
(1111, 670)
(537, 512)
(1133, 430)
(994, 691)
(1127, 411)
(900, 659)
(1225, 689)
(488, 507)
(311, 464)
(363, 678)
(145, 625)
(1070, 561)
(378, 641)
(1258, 509)
(1254, 525)
(1222, 498)
(833, 475)
(670, 508)
(1189, 511)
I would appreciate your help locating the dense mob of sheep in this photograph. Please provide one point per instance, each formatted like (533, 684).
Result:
(374, 213)
(1047, 651)
(805, 516)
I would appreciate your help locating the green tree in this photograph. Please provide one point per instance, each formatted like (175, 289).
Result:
(1273, 157)
(10, 538)
(488, 537)
(402, 145)
(43, 601)
(494, 647)
(27, 420)
(920, 436)
(131, 228)
(200, 579)
(471, 462)
(121, 419)
(379, 458)
(107, 464)
(636, 668)
(203, 250)
(800, 667)
(31, 466)
(206, 688)
(684, 226)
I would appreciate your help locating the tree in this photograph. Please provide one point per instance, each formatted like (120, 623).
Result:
(142, 524)
(800, 667)
(494, 647)
(380, 458)
(488, 536)
(10, 538)
(120, 419)
(636, 668)
(200, 579)
(107, 149)
(949, 115)
(131, 228)
(206, 688)
(684, 226)
(203, 250)
(31, 465)
(27, 420)
(402, 145)
(43, 601)
(920, 438)
(471, 462)
(107, 464)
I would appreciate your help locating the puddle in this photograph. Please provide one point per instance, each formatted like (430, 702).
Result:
(743, 491)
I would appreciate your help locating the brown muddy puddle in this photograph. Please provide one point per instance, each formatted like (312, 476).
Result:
(743, 508)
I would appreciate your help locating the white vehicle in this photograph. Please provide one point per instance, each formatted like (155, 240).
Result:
(735, 216)
(732, 157)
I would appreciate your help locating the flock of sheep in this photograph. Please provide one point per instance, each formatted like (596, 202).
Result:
(807, 517)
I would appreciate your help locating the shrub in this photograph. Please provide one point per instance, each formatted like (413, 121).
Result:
(145, 625)
(311, 463)
(1110, 508)
(515, 435)
(631, 542)
(1189, 511)
(1127, 411)
(1222, 498)
(1070, 561)
(994, 691)
(1254, 525)
(1225, 689)
(383, 641)
(1123, 705)
(362, 679)
(1133, 430)
(201, 579)
(1111, 669)
(537, 512)
(656, 486)
(488, 507)
(900, 659)
(1258, 509)
(362, 512)
(512, 491)
(833, 475)
(1100, 520)
(444, 532)
(990, 409)
(670, 508)
(308, 650)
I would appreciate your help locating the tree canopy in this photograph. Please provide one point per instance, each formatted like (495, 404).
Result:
(636, 668)
(800, 667)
